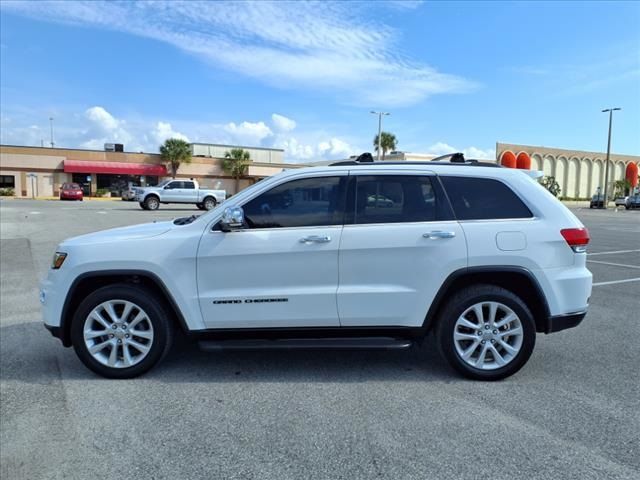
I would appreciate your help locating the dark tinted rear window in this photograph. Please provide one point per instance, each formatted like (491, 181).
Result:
(483, 199)
(394, 199)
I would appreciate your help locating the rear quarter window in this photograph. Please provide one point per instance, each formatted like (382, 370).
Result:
(483, 199)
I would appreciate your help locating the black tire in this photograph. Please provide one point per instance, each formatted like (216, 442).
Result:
(200, 206)
(209, 203)
(152, 202)
(142, 205)
(468, 297)
(157, 313)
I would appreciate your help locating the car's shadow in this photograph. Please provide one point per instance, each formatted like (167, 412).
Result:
(29, 354)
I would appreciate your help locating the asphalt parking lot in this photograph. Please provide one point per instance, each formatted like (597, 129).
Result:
(572, 412)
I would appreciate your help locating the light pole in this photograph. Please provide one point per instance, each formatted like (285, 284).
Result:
(380, 114)
(606, 167)
(51, 125)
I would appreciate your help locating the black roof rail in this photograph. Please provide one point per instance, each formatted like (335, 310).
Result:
(456, 157)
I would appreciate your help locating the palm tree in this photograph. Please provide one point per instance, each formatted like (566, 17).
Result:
(388, 142)
(174, 152)
(235, 163)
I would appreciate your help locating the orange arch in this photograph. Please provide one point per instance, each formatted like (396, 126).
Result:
(523, 161)
(508, 159)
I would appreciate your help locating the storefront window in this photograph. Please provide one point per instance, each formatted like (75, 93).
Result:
(7, 181)
(84, 180)
(116, 184)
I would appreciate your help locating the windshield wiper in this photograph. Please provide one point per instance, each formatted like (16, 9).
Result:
(185, 220)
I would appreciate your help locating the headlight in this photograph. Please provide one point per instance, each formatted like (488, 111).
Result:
(58, 260)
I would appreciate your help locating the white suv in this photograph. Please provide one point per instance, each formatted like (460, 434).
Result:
(352, 255)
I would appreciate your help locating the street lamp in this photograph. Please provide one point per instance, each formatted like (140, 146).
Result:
(380, 114)
(606, 167)
(51, 125)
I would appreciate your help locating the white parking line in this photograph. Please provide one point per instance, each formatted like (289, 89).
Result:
(613, 264)
(614, 252)
(613, 282)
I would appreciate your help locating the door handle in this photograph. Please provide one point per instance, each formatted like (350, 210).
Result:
(316, 239)
(439, 234)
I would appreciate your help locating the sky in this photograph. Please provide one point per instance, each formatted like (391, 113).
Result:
(304, 76)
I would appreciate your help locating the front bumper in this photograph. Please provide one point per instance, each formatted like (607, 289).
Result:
(55, 332)
(558, 323)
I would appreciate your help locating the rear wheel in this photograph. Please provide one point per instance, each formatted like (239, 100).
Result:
(209, 203)
(486, 332)
(121, 331)
(152, 203)
(142, 205)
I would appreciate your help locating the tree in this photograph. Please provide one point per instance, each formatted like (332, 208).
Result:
(621, 187)
(388, 142)
(235, 163)
(551, 184)
(174, 152)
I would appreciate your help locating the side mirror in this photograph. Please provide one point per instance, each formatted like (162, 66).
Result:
(167, 187)
(232, 218)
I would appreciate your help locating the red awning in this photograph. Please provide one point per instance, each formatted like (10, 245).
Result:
(118, 168)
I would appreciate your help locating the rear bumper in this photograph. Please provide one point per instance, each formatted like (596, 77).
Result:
(558, 323)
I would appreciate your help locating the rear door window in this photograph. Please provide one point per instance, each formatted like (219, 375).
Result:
(393, 199)
(483, 199)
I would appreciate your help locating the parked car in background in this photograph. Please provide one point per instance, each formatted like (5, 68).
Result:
(597, 201)
(71, 191)
(129, 193)
(622, 201)
(179, 191)
(633, 202)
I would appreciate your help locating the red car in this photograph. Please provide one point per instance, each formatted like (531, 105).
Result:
(71, 191)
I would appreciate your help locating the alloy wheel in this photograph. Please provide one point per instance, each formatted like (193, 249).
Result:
(118, 333)
(488, 335)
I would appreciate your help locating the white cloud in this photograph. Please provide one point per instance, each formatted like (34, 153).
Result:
(102, 119)
(333, 46)
(282, 123)
(335, 148)
(163, 131)
(248, 133)
(104, 128)
(442, 148)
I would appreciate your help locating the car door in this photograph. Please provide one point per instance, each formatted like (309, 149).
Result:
(281, 270)
(171, 191)
(399, 244)
(188, 193)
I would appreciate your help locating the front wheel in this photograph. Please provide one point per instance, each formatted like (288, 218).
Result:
(486, 332)
(152, 203)
(200, 206)
(209, 203)
(121, 331)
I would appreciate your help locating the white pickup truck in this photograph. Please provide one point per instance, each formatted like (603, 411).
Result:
(179, 191)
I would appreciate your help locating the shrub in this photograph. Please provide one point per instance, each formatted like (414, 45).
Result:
(101, 192)
(551, 184)
(7, 192)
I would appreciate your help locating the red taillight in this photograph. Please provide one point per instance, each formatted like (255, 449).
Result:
(577, 238)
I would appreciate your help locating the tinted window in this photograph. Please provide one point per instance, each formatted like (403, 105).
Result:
(483, 199)
(189, 185)
(299, 203)
(393, 199)
(174, 185)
